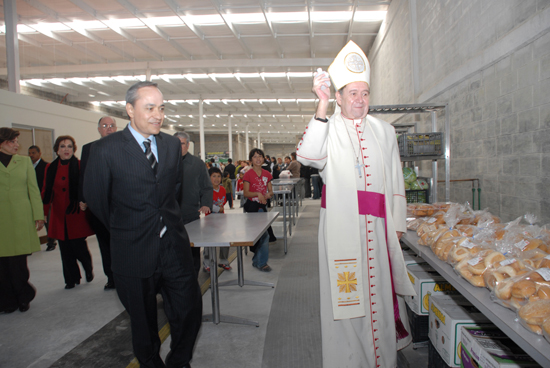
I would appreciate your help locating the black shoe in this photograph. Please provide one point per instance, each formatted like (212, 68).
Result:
(8, 310)
(272, 239)
(109, 285)
(89, 276)
(69, 286)
(23, 307)
(50, 247)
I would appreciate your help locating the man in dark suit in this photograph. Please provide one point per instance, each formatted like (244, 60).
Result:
(132, 183)
(105, 126)
(40, 170)
(197, 191)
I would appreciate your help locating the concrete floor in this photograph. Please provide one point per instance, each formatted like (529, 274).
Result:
(59, 320)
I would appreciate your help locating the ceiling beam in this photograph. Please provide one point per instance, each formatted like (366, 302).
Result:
(311, 34)
(350, 27)
(46, 10)
(181, 14)
(229, 25)
(135, 11)
(273, 34)
(206, 96)
(142, 66)
(100, 17)
(59, 38)
(48, 49)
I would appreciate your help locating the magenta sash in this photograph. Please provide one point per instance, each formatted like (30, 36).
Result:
(374, 204)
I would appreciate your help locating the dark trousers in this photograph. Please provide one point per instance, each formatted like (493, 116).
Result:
(175, 280)
(195, 251)
(307, 187)
(229, 198)
(71, 251)
(15, 288)
(104, 240)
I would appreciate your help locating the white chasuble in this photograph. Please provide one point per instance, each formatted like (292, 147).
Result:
(358, 322)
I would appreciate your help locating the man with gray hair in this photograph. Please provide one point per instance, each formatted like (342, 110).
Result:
(197, 191)
(132, 184)
(105, 126)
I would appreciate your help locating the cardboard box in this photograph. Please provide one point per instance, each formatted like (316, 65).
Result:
(488, 347)
(411, 257)
(426, 281)
(448, 313)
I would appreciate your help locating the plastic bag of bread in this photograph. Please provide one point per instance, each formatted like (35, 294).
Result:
(445, 243)
(472, 268)
(429, 233)
(463, 248)
(433, 236)
(533, 258)
(485, 219)
(546, 329)
(421, 209)
(533, 314)
(468, 230)
(503, 270)
(427, 225)
(526, 286)
(443, 206)
(413, 223)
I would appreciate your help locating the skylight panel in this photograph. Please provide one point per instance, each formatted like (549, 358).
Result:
(206, 20)
(90, 24)
(247, 18)
(165, 21)
(125, 23)
(369, 16)
(287, 17)
(21, 28)
(247, 75)
(331, 16)
(274, 75)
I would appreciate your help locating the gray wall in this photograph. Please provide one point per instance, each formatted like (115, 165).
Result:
(489, 60)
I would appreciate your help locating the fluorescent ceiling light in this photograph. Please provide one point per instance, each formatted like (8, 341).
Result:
(370, 16)
(206, 20)
(287, 17)
(245, 18)
(124, 23)
(247, 75)
(164, 21)
(196, 76)
(273, 75)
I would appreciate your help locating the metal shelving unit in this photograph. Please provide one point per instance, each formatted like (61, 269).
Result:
(505, 319)
(420, 109)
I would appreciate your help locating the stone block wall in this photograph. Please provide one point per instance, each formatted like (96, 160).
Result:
(489, 60)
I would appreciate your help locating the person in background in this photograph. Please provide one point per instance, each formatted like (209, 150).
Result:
(68, 223)
(105, 126)
(240, 186)
(230, 168)
(305, 172)
(294, 166)
(257, 190)
(219, 201)
(276, 168)
(21, 216)
(40, 169)
(267, 164)
(286, 164)
(196, 194)
(316, 182)
(228, 185)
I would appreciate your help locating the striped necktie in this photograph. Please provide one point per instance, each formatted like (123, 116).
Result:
(150, 156)
(153, 161)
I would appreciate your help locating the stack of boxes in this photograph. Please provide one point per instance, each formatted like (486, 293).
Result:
(426, 282)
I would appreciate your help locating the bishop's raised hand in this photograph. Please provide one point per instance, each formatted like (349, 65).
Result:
(321, 85)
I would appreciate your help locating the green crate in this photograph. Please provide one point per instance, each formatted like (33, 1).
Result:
(420, 144)
(417, 196)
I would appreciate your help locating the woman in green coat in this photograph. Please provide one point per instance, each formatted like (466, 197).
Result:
(21, 215)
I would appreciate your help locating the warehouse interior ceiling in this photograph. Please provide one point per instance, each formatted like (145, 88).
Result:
(250, 61)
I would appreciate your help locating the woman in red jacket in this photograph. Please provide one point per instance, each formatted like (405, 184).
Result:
(68, 223)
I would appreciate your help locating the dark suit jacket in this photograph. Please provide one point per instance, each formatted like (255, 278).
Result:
(197, 190)
(124, 193)
(40, 170)
(83, 163)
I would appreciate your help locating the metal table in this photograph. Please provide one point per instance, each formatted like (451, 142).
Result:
(284, 192)
(534, 345)
(235, 230)
(294, 197)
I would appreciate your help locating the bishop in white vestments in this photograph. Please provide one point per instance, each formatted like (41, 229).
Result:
(363, 210)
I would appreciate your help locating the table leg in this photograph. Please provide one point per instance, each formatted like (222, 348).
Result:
(284, 219)
(240, 275)
(287, 203)
(215, 316)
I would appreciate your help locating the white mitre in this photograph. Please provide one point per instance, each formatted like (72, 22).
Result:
(350, 65)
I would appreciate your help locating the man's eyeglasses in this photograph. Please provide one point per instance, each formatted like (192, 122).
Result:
(107, 126)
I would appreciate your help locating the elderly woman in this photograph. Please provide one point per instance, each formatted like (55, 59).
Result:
(68, 223)
(21, 215)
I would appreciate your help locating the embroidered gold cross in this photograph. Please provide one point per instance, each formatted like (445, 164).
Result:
(346, 282)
